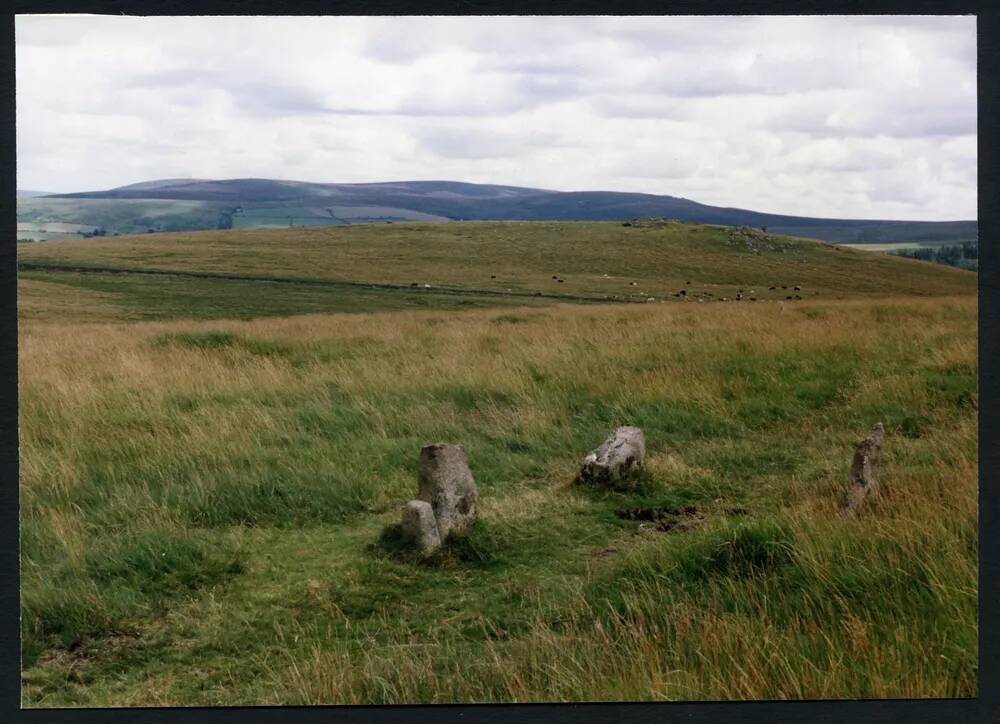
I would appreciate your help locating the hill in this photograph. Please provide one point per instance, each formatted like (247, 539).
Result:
(235, 203)
(569, 261)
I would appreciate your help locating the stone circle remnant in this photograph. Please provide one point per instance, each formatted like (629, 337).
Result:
(621, 454)
(865, 469)
(447, 501)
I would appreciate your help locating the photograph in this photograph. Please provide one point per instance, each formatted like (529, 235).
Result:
(496, 359)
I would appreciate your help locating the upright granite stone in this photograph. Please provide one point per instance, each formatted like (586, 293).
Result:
(446, 482)
(623, 453)
(865, 469)
(420, 527)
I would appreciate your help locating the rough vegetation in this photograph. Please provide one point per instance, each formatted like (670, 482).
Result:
(204, 501)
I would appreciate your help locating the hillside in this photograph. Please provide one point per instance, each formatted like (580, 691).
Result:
(294, 203)
(486, 262)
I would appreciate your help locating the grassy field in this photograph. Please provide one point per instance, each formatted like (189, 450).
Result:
(49, 294)
(896, 246)
(203, 499)
(592, 258)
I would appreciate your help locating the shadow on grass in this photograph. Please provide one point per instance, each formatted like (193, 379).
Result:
(480, 546)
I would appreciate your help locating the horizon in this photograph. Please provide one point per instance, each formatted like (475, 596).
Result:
(862, 117)
(454, 181)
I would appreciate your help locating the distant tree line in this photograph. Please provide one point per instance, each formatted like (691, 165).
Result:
(964, 255)
(101, 231)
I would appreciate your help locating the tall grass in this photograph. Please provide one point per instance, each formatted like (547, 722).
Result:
(202, 503)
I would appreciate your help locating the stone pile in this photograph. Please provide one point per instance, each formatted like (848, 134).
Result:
(754, 240)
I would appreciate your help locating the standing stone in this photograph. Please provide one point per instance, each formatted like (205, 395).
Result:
(865, 468)
(446, 482)
(420, 527)
(622, 453)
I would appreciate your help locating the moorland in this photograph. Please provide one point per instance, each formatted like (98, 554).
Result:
(217, 427)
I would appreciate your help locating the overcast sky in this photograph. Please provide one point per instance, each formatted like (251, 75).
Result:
(822, 116)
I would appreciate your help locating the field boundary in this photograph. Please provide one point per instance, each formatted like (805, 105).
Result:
(452, 291)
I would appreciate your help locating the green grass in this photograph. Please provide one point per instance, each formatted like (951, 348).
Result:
(137, 297)
(593, 259)
(208, 507)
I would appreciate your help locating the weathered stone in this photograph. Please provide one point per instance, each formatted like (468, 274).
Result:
(865, 468)
(419, 526)
(446, 482)
(623, 452)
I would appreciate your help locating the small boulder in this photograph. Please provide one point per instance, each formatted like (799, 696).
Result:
(622, 453)
(419, 526)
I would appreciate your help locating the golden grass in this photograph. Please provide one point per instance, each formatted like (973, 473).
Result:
(728, 637)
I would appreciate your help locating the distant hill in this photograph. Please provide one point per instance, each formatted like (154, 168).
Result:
(28, 194)
(256, 203)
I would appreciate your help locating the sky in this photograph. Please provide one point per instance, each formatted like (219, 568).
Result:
(852, 117)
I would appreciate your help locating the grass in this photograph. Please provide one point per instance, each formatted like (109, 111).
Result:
(661, 260)
(113, 297)
(207, 504)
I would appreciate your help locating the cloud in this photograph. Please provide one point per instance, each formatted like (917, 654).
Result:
(830, 116)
